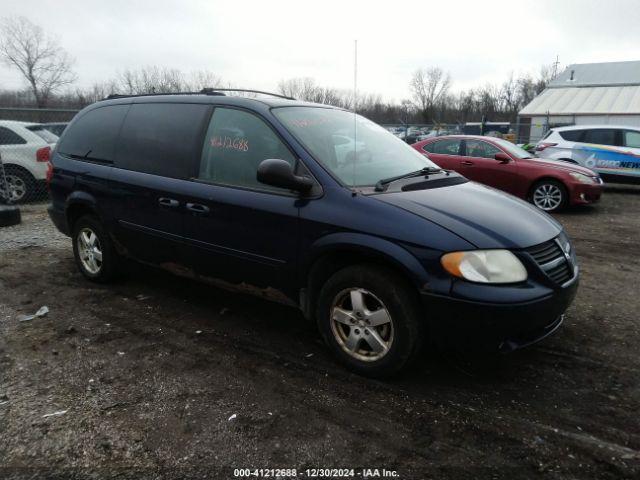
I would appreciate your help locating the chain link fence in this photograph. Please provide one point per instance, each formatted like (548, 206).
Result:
(518, 133)
(27, 138)
(28, 135)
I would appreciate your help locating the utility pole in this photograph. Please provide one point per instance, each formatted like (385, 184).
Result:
(555, 67)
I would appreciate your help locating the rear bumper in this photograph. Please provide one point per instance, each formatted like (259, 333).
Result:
(493, 326)
(582, 194)
(59, 219)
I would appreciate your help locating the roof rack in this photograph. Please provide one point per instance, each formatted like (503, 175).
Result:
(214, 91)
(204, 91)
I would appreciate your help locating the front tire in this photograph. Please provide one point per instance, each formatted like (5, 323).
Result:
(371, 320)
(93, 250)
(549, 195)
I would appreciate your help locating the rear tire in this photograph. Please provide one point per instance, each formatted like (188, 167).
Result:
(93, 250)
(22, 185)
(371, 320)
(549, 195)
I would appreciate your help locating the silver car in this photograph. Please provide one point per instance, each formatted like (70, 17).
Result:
(612, 151)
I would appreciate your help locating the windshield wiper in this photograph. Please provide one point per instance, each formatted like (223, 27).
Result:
(380, 186)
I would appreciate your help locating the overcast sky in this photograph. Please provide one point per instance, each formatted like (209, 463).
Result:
(253, 44)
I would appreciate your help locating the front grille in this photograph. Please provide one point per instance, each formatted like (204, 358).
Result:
(551, 259)
(545, 252)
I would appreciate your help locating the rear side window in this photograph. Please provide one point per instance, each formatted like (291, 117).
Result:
(43, 133)
(9, 137)
(93, 135)
(631, 139)
(235, 144)
(572, 135)
(162, 138)
(600, 136)
(443, 147)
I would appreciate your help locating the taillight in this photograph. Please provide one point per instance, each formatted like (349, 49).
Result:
(43, 154)
(541, 146)
(49, 174)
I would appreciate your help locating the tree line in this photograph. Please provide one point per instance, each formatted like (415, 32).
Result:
(47, 70)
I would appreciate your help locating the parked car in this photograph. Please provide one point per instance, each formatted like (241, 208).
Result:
(613, 152)
(25, 149)
(384, 252)
(56, 127)
(548, 184)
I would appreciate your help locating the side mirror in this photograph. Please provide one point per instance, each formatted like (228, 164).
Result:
(278, 173)
(502, 157)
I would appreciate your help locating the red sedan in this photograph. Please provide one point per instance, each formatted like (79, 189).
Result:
(548, 184)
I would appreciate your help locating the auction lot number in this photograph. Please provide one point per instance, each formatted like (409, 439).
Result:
(314, 473)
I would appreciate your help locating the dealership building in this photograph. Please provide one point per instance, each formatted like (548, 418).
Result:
(585, 94)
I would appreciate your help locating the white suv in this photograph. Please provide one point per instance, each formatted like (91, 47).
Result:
(25, 149)
(613, 152)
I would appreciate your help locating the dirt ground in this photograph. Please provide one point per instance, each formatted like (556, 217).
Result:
(162, 377)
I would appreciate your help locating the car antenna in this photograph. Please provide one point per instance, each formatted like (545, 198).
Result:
(355, 113)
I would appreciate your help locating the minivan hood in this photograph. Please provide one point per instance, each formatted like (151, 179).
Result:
(562, 165)
(483, 216)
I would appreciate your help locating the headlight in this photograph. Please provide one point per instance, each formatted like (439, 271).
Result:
(582, 178)
(485, 266)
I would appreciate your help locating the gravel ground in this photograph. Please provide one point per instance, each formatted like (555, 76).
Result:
(162, 377)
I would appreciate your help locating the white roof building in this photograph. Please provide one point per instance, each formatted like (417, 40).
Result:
(587, 94)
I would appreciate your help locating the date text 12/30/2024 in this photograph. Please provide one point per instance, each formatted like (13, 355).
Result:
(315, 473)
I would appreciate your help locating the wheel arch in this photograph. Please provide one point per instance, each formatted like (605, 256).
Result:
(541, 179)
(17, 166)
(79, 204)
(337, 251)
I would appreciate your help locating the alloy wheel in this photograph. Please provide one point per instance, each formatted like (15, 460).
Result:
(17, 188)
(361, 324)
(89, 251)
(547, 197)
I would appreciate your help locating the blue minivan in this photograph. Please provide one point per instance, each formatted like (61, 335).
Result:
(315, 207)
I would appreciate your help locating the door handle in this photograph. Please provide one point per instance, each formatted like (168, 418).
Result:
(467, 162)
(168, 202)
(198, 208)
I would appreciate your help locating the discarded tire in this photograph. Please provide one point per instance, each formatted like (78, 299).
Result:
(9, 215)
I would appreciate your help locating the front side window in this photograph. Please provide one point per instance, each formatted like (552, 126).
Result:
(600, 136)
(9, 137)
(631, 139)
(480, 149)
(357, 151)
(235, 144)
(445, 147)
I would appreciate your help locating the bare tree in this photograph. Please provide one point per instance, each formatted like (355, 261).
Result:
(544, 78)
(41, 60)
(150, 79)
(428, 86)
(155, 79)
(300, 88)
(203, 79)
(509, 96)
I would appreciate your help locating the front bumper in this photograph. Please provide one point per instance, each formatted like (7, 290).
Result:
(583, 194)
(502, 327)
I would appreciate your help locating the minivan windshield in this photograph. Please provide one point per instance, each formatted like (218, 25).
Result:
(356, 150)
